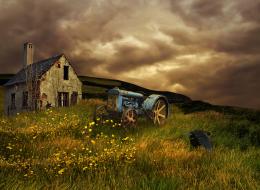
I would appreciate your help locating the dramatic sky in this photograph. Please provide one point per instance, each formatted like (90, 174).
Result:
(208, 50)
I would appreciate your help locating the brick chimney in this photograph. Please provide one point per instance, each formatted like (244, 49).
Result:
(27, 54)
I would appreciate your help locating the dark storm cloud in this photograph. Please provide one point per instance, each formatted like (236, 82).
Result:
(30, 20)
(246, 41)
(213, 46)
(207, 8)
(249, 10)
(128, 57)
(228, 84)
(200, 13)
(42, 23)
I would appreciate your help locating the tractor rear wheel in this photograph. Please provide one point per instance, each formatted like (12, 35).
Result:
(160, 112)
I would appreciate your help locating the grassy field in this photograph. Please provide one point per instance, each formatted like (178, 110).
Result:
(64, 149)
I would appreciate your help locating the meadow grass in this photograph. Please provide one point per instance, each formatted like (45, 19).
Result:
(62, 148)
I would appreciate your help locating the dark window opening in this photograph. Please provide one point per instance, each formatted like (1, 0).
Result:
(66, 73)
(13, 101)
(25, 99)
(63, 99)
(74, 98)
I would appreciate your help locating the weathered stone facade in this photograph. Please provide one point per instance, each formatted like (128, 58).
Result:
(58, 85)
(52, 82)
(17, 90)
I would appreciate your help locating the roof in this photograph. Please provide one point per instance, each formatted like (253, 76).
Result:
(38, 69)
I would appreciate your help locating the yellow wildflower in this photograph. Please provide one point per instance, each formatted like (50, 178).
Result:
(92, 123)
(93, 142)
(9, 147)
(85, 168)
(61, 171)
(126, 138)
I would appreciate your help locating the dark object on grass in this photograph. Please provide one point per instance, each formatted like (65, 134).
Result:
(200, 138)
(48, 105)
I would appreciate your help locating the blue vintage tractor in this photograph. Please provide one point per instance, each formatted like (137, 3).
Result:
(125, 106)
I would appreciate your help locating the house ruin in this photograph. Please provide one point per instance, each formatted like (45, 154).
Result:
(38, 85)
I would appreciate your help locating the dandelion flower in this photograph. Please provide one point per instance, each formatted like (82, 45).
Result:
(85, 168)
(9, 147)
(125, 139)
(61, 171)
(92, 123)
(93, 142)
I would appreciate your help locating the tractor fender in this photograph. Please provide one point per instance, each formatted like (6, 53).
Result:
(150, 101)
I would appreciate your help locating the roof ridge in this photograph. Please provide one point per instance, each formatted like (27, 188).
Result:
(44, 60)
(44, 64)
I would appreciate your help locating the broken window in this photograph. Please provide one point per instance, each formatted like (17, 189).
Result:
(63, 99)
(13, 101)
(66, 73)
(25, 99)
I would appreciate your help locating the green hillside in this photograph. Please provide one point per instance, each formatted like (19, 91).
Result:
(64, 149)
(110, 83)
(94, 87)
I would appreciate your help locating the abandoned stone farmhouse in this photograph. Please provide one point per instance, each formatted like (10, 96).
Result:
(47, 83)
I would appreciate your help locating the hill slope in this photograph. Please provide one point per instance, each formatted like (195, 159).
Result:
(110, 83)
(96, 88)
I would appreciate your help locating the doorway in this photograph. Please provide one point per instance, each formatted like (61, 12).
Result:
(63, 99)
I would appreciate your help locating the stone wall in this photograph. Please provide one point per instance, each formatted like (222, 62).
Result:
(53, 82)
(50, 84)
(18, 91)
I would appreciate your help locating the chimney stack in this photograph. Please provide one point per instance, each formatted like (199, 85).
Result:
(28, 54)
